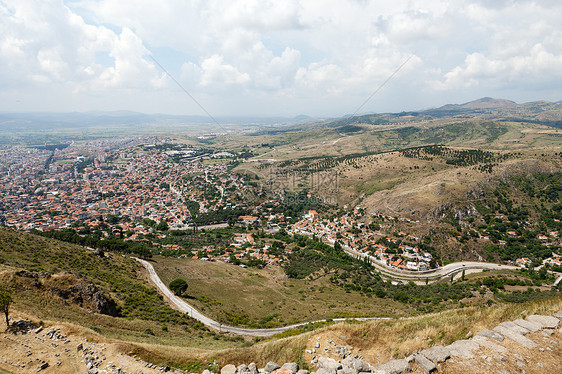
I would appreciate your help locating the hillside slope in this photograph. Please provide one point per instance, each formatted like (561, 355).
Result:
(429, 197)
(155, 333)
(57, 281)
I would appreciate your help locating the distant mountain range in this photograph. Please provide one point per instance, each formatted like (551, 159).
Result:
(543, 112)
(483, 103)
(549, 113)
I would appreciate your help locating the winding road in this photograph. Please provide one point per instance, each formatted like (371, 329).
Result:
(433, 274)
(184, 307)
(430, 276)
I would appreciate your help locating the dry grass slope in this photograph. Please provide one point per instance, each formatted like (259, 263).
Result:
(378, 341)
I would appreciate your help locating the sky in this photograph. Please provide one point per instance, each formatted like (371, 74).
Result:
(322, 58)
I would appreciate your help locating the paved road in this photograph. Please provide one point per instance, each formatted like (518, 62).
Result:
(187, 308)
(557, 281)
(434, 274)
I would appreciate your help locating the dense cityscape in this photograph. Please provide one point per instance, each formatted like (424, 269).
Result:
(143, 189)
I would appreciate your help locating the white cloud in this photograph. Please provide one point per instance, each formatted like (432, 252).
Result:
(44, 41)
(280, 71)
(51, 62)
(267, 51)
(131, 68)
(415, 25)
(321, 75)
(522, 49)
(536, 68)
(260, 14)
(218, 73)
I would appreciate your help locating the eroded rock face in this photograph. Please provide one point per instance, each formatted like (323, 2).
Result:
(73, 288)
(88, 294)
(466, 211)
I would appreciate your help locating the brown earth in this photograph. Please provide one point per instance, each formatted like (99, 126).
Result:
(28, 352)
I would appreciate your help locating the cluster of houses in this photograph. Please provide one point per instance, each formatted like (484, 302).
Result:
(89, 184)
(355, 235)
(118, 183)
(242, 248)
(552, 261)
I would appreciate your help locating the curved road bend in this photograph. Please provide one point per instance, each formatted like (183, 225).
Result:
(557, 281)
(441, 272)
(194, 313)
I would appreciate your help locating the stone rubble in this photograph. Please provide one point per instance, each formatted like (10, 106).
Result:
(491, 334)
(92, 354)
(428, 360)
(548, 322)
(426, 365)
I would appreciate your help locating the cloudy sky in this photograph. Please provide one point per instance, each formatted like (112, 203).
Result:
(275, 57)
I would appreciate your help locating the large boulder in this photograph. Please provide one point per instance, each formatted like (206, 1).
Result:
(252, 368)
(515, 336)
(293, 366)
(437, 353)
(463, 348)
(491, 334)
(426, 365)
(228, 369)
(271, 366)
(288, 368)
(531, 326)
(393, 367)
(355, 365)
(328, 365)
(544, 321)
(283, 370)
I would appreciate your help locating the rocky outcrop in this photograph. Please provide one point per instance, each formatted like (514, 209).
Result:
(72, 288)
(88, 295)
(465, 212)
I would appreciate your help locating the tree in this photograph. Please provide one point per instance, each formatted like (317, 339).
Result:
(162, 226)
(178, 286)
(5, 301)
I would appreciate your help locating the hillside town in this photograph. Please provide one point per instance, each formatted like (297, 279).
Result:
(90, 184)
(138, 189)
(406, 257)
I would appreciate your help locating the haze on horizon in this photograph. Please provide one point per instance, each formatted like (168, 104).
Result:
(275, 58)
